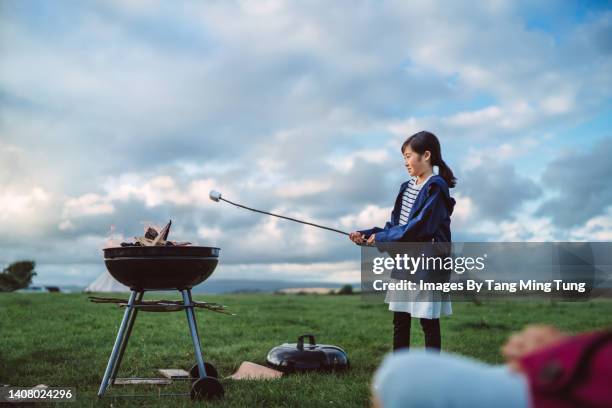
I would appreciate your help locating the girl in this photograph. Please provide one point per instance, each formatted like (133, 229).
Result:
(421, 214)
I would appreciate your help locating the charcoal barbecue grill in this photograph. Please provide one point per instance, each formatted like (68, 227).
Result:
(154, 268)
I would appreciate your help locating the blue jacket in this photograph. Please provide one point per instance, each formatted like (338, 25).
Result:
(429, 217)
(429, 220)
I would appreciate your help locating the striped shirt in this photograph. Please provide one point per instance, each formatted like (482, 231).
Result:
(410, 195)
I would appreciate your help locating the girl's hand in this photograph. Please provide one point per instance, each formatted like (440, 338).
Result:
(371, 240)
(532, 338)
(356, 237)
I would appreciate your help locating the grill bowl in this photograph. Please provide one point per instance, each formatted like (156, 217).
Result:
(161, 267)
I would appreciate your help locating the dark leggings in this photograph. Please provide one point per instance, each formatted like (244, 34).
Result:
(401, 331)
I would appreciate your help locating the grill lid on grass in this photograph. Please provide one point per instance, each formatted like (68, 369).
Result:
(300, 357)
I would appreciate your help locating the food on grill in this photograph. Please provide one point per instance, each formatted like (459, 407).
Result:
(154, 238)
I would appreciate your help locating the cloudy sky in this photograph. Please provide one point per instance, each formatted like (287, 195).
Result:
(114, 114)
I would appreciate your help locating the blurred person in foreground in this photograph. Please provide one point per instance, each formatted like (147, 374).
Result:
(545, 368)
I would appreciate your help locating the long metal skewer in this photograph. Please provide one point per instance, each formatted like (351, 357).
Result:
(216, 196)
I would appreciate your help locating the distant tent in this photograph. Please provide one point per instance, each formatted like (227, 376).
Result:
(106, 283)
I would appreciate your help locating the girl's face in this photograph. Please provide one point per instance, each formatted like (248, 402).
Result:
(416, 164)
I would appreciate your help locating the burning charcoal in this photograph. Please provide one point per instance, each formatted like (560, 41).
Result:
(151, 233)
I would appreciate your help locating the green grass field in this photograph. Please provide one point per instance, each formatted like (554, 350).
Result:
(64, 340)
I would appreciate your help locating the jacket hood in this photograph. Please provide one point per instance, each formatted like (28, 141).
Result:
(443, 186)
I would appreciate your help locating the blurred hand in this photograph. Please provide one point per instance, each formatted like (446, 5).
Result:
(371, 240)
(530, 339)
(357, 237)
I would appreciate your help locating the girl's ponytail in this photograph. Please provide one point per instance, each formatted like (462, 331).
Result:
(421, 142)
(446, 173)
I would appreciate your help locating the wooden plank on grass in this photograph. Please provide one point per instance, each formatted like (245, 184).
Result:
(133, 381)
(173, 373)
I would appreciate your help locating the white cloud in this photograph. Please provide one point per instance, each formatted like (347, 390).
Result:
(7, 148)
(491, 122)
(514, 116)
(346, 162)
(476, 118)
(209, 233)
(13, 203)
(370, 216)
(598, 228)
(303, 188)
(87, 205)
(557, 104)
(406, 127)
(135, 7)
(464, 212)
(527, 230)
(499, 153)
(66, 225)
(521, 229)
(23, 210)
(152, 192)
(158, 190)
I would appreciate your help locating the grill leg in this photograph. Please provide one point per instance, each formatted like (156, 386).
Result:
(115, 353)
(195, 322)
(124, 343)
(194, 331)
